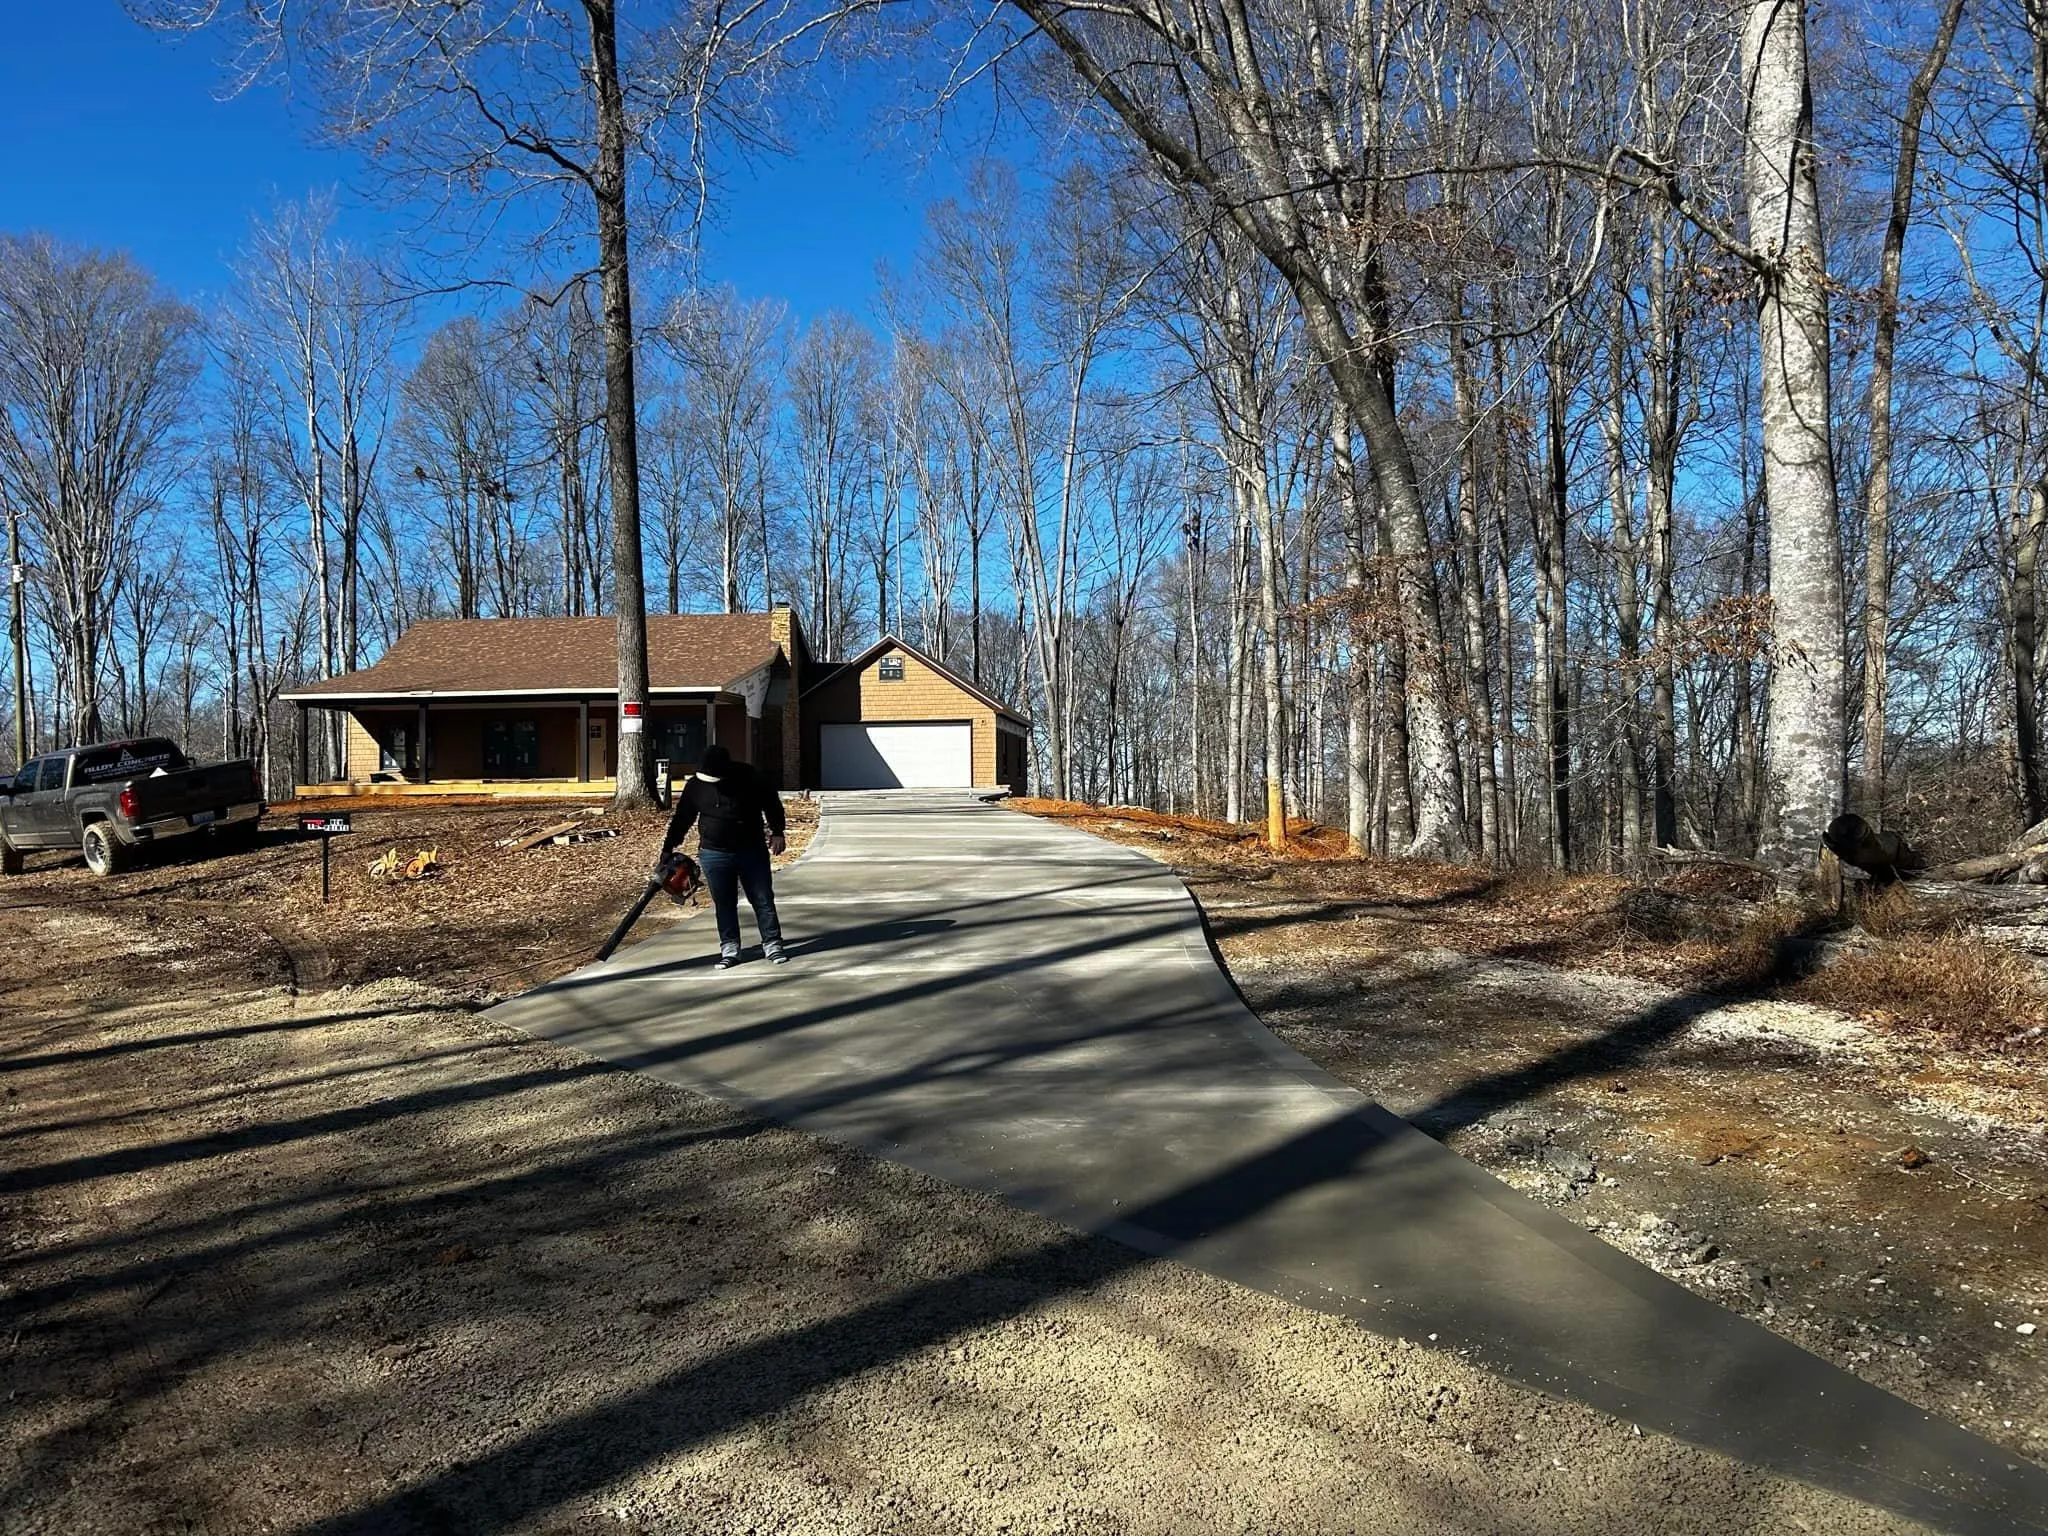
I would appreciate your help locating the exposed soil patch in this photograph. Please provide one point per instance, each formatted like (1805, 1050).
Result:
(1859, 1182)
(488, 920)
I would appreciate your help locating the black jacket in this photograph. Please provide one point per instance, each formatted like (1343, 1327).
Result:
(728, 814)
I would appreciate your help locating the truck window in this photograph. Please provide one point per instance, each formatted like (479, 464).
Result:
(24, 781)
(52, 776)
(98, 765)
(130, 760)
(152, 753)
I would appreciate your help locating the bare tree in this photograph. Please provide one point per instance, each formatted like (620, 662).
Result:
(727, 353)
(488, 101)
(562, 357)
(1805, 745)
(1302, 189)
(675, 474)
(829, 384)
(96, 363)
(457, 434)
(1877, 593)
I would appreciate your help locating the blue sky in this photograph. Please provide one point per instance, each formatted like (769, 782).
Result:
(120, 139)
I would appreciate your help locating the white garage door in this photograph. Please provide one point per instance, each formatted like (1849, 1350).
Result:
(920, 756)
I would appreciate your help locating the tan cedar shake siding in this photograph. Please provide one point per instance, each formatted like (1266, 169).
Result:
(362, 751)
(858, 694)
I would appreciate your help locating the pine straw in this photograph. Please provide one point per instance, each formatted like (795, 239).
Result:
(1305, 839)
(1699, 926)
(1956, 988)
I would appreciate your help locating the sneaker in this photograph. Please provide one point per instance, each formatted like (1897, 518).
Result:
(776, 953)
(728, 958)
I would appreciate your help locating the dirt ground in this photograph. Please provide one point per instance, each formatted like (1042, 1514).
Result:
(488, 919)
(1876, 1194)
(292, 1240)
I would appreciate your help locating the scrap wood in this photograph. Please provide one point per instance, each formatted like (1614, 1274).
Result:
(1988, 866)
(1675, 855)
(544, 835)
(583, 835)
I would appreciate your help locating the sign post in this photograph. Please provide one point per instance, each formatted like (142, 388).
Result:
(327, 827)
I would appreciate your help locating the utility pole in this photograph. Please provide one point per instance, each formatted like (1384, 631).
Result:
(17, 629)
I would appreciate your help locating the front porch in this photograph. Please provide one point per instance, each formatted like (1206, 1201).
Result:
(592, 790)
(511, 747)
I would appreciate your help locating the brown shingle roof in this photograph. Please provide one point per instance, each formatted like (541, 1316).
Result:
(687, 650)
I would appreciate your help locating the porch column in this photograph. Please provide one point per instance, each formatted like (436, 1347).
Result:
(710, 721)
(304, 748)
(583, 741)
(421, 732)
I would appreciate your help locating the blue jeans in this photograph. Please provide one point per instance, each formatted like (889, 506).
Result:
(725, 874)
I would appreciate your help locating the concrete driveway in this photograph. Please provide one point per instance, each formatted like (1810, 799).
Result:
(1026, 1009)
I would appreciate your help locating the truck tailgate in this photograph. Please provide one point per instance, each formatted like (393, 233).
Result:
(204, 792)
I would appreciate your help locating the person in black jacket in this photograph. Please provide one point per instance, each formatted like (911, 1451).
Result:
(729, 806)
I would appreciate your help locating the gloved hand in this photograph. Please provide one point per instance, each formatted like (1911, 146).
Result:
(777, 843)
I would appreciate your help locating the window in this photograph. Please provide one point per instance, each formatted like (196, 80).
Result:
(891, 669)
(24, 782)
(511, 749)
(132, 760)
(52, 776)
(679, 742)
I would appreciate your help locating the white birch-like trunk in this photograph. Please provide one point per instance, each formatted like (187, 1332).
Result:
(1805, 738)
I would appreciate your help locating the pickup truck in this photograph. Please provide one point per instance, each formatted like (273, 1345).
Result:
(116, 798)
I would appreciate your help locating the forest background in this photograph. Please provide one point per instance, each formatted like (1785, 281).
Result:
(1372, 402)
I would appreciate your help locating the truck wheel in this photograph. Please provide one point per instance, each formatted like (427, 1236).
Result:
(105, 854)
(11, 862)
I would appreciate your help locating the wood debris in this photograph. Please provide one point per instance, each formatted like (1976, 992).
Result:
(583, 835)
(548, 834)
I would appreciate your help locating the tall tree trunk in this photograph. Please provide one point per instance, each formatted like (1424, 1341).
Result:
(353, 493)
(634, 788)
(1628, 599)
(316, 513)
(1235, 670)
(1435, 779)
(1552, 620)
(1805, 737)
(1398, 814)
(2023, 650)
(1261, 493)
(1748, 743)
(1196, 742)
(1877, 569)
(974, 599)
(1660, 492)
(17, 634)
(1358, 675)
(1472, 594)
(1504, 611)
